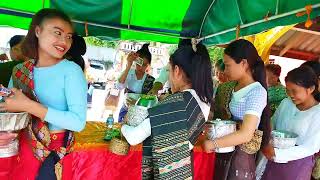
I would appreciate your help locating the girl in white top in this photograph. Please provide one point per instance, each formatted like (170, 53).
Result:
(299, 114)
(135, 80)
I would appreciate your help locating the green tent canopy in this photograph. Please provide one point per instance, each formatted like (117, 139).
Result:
(213, 21)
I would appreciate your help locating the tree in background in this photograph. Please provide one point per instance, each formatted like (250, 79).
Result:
(215, 53)
(94, 41)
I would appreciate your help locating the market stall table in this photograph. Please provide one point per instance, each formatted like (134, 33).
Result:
(92, 159)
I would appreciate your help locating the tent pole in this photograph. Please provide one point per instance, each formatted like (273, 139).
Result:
(18, 12)
(239, 11)
(258, 22)
(277, 8)
(130, 14)
(205, 17)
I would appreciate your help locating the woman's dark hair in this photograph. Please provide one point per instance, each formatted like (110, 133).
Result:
(274, 68)
(30, 44)
(16, 39)
(305, 77)
(145, 53)
(314, 65)
(184, 42)
(77, 49)
(197, 67)
(219, 64)
(242, 49)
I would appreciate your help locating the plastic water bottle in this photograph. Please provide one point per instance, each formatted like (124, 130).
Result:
(110, 121)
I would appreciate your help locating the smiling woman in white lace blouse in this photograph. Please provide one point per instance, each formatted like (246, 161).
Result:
(299, 114)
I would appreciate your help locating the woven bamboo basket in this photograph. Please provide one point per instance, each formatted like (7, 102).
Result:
(119, 146)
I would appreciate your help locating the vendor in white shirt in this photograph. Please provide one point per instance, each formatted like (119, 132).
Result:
(136, 80)
(299, 114)
(173, 127)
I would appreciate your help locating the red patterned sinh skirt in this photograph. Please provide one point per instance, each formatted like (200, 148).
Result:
(25, 165)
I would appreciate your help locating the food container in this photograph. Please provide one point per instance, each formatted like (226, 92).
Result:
(9, 150)
(219, 128)
(136, 114)
(119, 146)
(148, 101)
(139, 112)
(13, 121)
(283, 139)
(10, 122)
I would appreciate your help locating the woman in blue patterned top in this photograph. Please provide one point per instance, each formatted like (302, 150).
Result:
(172, 128)
(243, 100)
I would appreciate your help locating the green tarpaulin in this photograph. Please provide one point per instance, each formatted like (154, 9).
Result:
(214, 21)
